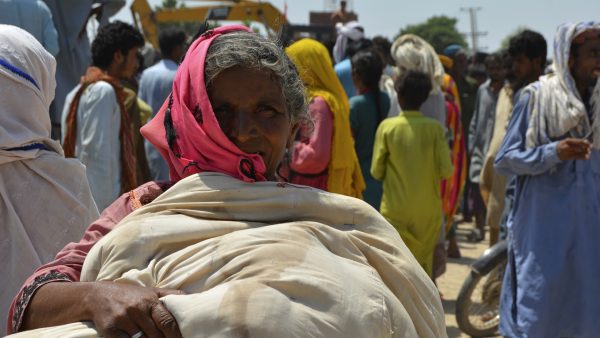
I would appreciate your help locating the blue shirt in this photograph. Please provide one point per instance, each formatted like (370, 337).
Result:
(155, 86)
(481, 128)
(551, 284)
(364, 120)
(34, 17)
(343, 70)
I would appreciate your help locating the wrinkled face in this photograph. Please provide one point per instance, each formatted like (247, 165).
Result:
(524, 69)
(495, 70)
(251, 111)
(585, 62)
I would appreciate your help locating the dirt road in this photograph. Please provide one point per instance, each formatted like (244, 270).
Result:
(456, 272)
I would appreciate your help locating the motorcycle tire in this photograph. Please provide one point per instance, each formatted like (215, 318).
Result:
(470, 322)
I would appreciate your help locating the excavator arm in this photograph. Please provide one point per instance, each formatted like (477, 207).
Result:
(241, 10)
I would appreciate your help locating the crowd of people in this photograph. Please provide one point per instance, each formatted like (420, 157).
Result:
(192, 192)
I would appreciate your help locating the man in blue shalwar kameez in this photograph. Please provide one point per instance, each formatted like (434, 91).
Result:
(552, 282)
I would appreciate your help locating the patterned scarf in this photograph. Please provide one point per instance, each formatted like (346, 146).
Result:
(556, 107)
(128, 160)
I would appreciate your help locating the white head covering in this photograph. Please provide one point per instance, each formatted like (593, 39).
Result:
(349, 31)
(556, 107)
(26, 86)
(411, 52)
(45, 199)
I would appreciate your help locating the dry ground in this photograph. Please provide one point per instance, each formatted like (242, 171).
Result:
(456, 272)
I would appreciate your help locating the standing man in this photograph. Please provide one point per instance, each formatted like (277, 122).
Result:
(552, 144)
(34, 17)
(480, 132)
(100, 121)
(155, 87)
(527, 57)
(342, 15)
(70, 18)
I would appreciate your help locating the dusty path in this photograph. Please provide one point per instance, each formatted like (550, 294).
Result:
(456, 272)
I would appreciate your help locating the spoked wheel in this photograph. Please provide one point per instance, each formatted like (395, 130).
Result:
(478, 302)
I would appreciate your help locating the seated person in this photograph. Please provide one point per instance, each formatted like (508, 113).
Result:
(228, 250)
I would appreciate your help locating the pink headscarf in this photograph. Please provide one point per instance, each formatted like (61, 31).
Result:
(199, 146)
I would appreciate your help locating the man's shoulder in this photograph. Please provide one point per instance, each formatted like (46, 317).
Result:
(485, 85)
(393, 122)
(155, 68)
(357, 100)
(100, 90)
(158, 72)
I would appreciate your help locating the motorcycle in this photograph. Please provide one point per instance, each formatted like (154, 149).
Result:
(478, 302)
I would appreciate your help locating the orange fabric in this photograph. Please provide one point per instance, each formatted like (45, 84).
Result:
(128, 161)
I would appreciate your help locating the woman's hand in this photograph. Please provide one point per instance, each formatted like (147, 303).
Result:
(574, 149)
(121, 310)
(117, 310)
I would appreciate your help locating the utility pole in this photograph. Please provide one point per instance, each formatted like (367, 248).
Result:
(475, 34)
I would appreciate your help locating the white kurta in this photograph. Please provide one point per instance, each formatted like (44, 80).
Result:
(97, 143)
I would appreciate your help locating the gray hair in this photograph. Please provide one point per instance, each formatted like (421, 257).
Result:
(252, 51)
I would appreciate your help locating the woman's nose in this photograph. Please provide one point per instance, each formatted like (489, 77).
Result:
(243, 127)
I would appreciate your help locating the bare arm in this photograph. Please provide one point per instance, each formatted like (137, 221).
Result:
(53, 295)
(115, 309)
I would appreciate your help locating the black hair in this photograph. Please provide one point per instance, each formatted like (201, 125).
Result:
(114, 37)
(367, 66)
(383, 46)
(529, 43)
(414, 87)
(356, 46)
(495, 57)
(169, 39)
(506, 61)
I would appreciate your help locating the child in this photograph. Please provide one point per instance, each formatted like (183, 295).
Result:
(367, 110)
(411, 156)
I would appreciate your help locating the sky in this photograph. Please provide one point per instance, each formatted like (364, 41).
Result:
(498, 18)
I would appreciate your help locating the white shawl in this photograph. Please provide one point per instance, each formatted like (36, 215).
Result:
(555, 105)
(45, 200)
(268, 260)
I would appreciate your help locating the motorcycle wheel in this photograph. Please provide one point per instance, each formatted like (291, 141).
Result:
(478, 302)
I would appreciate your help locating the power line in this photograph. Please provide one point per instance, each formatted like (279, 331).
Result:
(474, 33)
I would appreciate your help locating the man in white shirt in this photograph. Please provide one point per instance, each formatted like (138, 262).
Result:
(96, 119)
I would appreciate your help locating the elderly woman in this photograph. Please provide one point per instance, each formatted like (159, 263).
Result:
(254, 257)
(45, 199)
(323, 156)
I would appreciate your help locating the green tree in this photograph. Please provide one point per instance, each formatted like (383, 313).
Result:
(439, 31)
(169, 4)
(504, 43)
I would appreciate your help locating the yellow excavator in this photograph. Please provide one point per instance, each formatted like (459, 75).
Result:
(147, 19)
